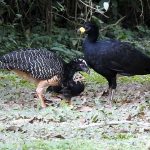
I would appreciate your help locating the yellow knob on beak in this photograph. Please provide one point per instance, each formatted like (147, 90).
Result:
(82, 30)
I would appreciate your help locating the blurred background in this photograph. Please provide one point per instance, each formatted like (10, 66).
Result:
(53, 24)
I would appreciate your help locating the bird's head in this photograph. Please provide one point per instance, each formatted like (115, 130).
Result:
(79, 64)
(91, 29)
(88, 27)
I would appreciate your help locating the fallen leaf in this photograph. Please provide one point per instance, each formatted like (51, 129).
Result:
(59, 136)
(129, 118)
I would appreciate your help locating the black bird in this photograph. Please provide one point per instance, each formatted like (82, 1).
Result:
(72, 88)
(112, 57)
(42, 67)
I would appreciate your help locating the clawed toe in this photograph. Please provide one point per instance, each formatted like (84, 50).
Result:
(105, 93)
(48, 101)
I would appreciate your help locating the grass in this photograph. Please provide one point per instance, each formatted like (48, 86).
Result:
(24, 126)
(75, 144)
(7, 77)
(97, 78)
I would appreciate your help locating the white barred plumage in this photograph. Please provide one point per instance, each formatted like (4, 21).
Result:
(41, 64)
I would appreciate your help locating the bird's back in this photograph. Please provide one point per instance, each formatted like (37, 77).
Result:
(40, 63)
(117, 56)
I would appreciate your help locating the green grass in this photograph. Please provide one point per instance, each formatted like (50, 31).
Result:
(75, 144)
(8, 77)
(97, 78)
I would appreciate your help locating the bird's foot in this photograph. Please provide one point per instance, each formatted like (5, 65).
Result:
(47, 101)
(69, 102)
(105, 93)
(43, 105)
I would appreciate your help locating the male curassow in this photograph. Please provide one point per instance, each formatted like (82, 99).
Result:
(112, 57)
(42, 67)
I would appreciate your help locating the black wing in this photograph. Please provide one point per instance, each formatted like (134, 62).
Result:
(120, 57)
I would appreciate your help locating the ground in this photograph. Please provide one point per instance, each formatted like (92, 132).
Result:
(91, 124)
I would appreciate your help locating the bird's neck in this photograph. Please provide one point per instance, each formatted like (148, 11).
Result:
(92, 37)
(68, 72)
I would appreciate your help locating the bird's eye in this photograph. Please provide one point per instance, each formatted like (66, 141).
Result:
(82, 65)
(87, 28)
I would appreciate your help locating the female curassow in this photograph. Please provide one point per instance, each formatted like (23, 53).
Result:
(112, 57)
(42, 67)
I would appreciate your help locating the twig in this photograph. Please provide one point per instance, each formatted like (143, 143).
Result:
(141, 15)
(89, 6)
(91, 11)
(113, 24)
(76, 10)
(143, 124)
(29, 8)
(148, 4)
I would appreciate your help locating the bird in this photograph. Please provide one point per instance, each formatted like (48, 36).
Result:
(111, 57)
(42, 67)
(73, 88)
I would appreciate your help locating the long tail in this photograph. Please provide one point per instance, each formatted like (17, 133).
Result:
(148, 66)
(3, 65)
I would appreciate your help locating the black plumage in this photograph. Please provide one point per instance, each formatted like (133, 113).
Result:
(42, 67)
(112, 57)
(73, 88)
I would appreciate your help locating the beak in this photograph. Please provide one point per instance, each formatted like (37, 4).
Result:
(81, 30)
(87, 70)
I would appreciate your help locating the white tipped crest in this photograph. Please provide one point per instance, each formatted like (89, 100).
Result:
(83, 61)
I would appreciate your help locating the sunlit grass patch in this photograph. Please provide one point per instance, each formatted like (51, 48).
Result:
(97, 78)
(11, 78)
(118, 136)
(94, 77)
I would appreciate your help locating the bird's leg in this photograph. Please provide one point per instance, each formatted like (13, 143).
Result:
(40, 91)
(111, 94)
(112, 87)
(43, 85)
(41, 88)
(67, 95)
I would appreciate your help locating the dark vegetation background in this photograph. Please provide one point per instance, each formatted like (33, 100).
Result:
(53, 24)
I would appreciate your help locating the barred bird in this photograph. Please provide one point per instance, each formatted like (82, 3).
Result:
(112, 57)
(42, 67)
